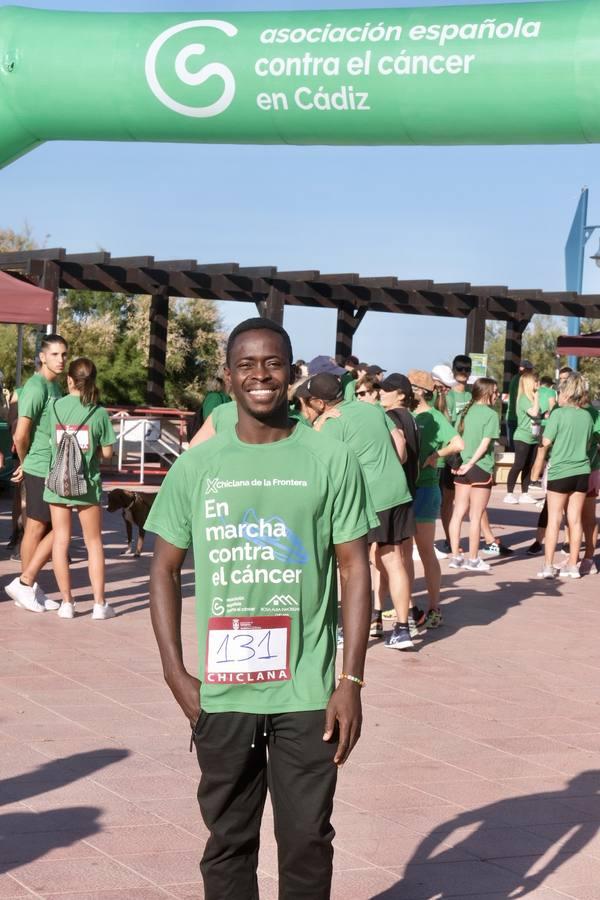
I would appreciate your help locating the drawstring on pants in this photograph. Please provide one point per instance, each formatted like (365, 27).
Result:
(267, 727)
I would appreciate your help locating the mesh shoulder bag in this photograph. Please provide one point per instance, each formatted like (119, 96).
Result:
(66, 477)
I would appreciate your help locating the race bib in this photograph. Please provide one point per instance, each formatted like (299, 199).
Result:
(251, 650)
(83, 435)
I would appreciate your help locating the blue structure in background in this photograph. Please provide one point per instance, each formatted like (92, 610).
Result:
(579, 235)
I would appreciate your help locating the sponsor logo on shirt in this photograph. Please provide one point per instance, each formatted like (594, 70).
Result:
(282, 600)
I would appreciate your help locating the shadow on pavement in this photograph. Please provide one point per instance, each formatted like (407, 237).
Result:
(511, 847)
(26, 836)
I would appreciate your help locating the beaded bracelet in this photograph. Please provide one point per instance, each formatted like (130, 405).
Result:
(352, 678)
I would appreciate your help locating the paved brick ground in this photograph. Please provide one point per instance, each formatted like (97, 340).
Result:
(478, 774)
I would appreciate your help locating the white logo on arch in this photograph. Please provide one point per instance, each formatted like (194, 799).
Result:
(192, 79)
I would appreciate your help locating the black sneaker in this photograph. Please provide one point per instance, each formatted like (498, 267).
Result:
(376, 630)
(534, 549)
(417, 615)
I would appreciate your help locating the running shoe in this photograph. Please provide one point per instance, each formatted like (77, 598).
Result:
(434, 619)
(569, 572)
(511, 499)
(24, 596)
(456, 562)
(496, 548)
(548, 572)
(376, 630)
(399, 638)
(476, 565)
(446, 548)
(525, 499)
(41, 597)
(103, 611)
(535, 548)
(66, 611)
(537, 485)
(588, 567)
(340, 636)
(439, 554)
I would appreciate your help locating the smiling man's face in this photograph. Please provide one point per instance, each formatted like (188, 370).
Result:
(259, 372)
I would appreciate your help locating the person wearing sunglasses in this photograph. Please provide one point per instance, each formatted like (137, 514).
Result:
(367, 389)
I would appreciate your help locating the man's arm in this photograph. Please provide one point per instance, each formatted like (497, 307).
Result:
(165, 612)
(205, 433)
(345, 705)
(22, 437)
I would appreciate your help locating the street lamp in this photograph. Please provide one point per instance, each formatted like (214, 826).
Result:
(579, 235)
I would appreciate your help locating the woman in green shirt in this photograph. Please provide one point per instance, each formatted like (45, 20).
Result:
(525, 438)
(568, 433)
(479, 426)
(79, 413)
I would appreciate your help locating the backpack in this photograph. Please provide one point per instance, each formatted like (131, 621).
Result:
(66, 477)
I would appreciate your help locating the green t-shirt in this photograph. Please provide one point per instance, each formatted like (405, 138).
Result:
(96, 432)
(212, 400)
(349, 386)
(225, 417)
(481, 422)
(364, 428)
(525, 424)
(594, 449)
(33, 403)
(455, 403)
(263, 520)
(435, 431)
(569, 429)
(546, 394)
(513, 393)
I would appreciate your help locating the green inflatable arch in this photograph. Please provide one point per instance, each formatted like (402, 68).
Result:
(519, 73)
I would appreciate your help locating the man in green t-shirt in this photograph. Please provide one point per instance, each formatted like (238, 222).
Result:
(268, 506)
(32, 443)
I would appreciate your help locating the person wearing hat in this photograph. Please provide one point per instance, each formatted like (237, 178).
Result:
(364, 428)
(438, 440)
(443, 381)
(326, 365)
(512, 419)
(376, 372)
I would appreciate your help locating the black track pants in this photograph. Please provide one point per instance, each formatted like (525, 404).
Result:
(524, 460)
(297, 765)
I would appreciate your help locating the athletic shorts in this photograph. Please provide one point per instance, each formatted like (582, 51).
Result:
(475, 477)
(395, 525)
(35, 505)
(427, 503)
(594, 484)
(573, 484)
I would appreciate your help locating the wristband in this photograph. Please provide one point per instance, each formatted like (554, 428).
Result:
(351, 678)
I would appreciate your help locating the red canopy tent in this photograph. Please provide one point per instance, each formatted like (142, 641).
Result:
(579, 345)
(22, 303)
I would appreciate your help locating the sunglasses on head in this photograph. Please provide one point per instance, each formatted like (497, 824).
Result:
(465, 370)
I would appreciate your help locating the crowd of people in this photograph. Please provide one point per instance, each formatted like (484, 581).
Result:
(318, 482)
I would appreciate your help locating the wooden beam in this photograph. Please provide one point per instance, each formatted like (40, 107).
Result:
(157, 350)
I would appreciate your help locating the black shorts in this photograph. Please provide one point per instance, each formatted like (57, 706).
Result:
(447, 479)
(395, 525)
(571, 485)
(475, 477)
(35, 505)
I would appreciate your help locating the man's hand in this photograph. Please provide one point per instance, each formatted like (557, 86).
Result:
(17, 475)
(186, 690)
(344, 708)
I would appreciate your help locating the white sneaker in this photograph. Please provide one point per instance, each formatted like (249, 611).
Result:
(525, 498)
(456, 562)
(510, 498)
(46, 602)
(439, 554)
(103, 611)
(66, 611)
(477, 565)
(24, 596)
(547, 572)
(569, 572)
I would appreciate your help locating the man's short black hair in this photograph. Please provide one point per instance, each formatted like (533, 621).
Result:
(566, 370)
(462, 360)
(258, 324)
(52, 339)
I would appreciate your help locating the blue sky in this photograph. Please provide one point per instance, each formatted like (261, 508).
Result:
(488, 215)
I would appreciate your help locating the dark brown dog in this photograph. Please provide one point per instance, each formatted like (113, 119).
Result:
(135, 508)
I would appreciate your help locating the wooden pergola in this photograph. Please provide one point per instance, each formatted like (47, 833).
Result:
(271, 290)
